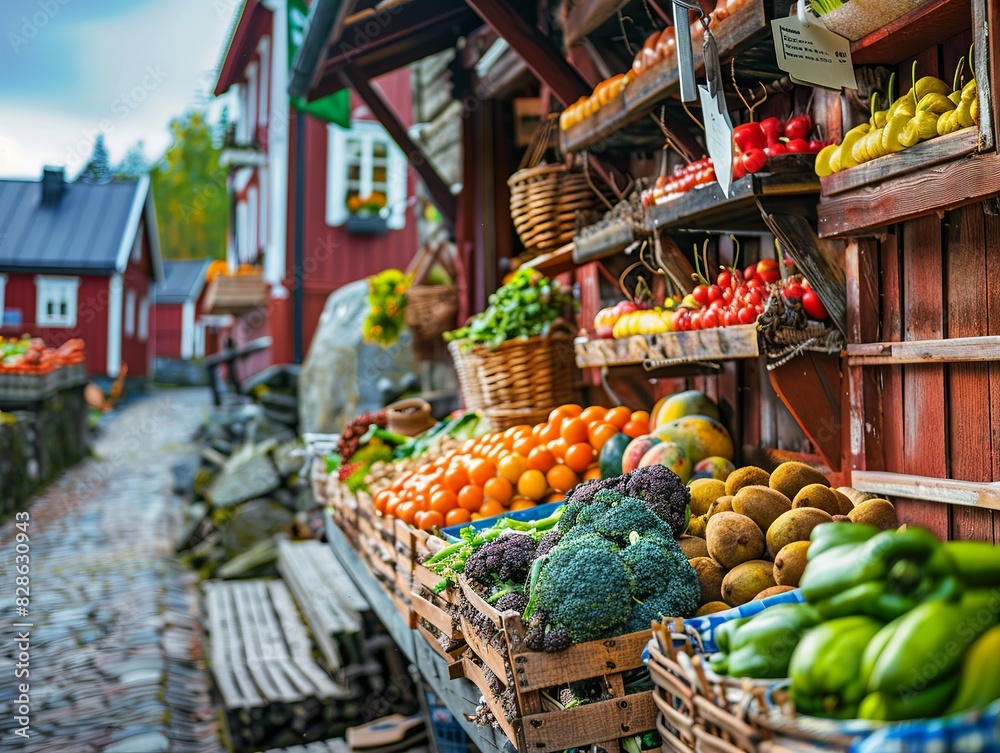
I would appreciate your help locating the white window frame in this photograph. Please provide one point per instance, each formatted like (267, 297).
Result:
(367, 132)
(242, 137)
(3, 290)
(51, 288)
(242, 231)
(253, 206)
(144, 318)
(251, 101)
(262, 217)
(130, 312)
(264, 51)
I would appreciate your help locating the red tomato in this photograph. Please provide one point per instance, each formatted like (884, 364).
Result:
(714, 293)
(747, 315)
(749, 136)
(776, 149)
(767, 270)
(773, 129)
(753, 160)
(750, 272)
(799, 127)
(710, 319)
(724, 280)
(700, 294)
(730, 319)
(797, 146)
(792, 290)
(813, 306)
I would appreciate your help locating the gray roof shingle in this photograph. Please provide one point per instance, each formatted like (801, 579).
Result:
(183, 281)
(80, 234)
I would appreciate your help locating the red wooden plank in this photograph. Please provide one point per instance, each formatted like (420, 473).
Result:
(864, 440)
(924, 412)
(968, 384)
(992, 248)
(891, 405)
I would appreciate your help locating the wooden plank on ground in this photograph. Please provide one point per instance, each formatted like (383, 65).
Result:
(968, 383)
(232, 638)
(222, 670)
(274, 635)
(274, 687)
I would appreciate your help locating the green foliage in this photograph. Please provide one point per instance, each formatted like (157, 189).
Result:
(526, 306)
(98, 169)
(133, 164)
(386, 307)
(189, 189)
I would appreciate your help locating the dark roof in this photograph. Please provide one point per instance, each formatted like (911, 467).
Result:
(182, 281)
(90, 229)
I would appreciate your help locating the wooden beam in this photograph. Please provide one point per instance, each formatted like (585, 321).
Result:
(944, 490)
(534, 48)
(372, 96)
(951, 350)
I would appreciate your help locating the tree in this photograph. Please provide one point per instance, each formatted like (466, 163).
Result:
(189, 190)
(98, 169)
(133, 164)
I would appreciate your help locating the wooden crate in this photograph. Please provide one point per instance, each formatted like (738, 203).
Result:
(532, 672)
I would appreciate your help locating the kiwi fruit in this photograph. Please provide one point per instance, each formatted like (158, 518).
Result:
(693, 546)
(789, 478)
(818, 496)
(733, 539)
(875, 512)
(710, 576)
(772, 591)
(749, 475)
(794, 525)
(704, 491)
(722, 504)
(761, 504)
(746, 580)
(711, 608)
(846, 503)
(790, 562)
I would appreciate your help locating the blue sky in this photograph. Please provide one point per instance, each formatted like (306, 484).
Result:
(71, 69)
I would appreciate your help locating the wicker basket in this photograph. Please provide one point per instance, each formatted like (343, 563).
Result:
(545, 198)
(519, 379)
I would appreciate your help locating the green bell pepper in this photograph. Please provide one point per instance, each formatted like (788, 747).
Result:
(928, 703)
(883, 577)
(763, 646)
(829, 535)
(724, 632)
(977, 562)
(826, 667)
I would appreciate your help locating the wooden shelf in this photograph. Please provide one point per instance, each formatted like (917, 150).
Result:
(670, 348)
(953, 350)
(944, 490)
(707, 208)
(913, 32)
(922, 190)
(554, 262)
(736, 33)
(609, 240)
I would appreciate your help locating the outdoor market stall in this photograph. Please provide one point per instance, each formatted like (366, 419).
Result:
(780, 242)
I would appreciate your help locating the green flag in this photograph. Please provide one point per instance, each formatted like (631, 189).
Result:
(335, 108)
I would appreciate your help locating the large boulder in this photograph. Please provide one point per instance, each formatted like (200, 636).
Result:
(340, 376)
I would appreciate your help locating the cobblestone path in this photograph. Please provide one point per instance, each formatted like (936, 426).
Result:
(115, 645)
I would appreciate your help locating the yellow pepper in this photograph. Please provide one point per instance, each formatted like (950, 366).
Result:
(921, 127)
(935, 103)
(890, 134)
(847, 146)
(930, 85)
(823, 166)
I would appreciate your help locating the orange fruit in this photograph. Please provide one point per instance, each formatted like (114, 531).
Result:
(561, 478)
(541, 459)
(456, 477)
(430, 520)
(593, 413)
(471, 497)
(491, 507)
(599, 434)
(444, 500)
(392, 504)
(574, 431)
(555, 497)
(512, 466)
(532, 484)
(476, 516)
(500, 489)
(481, 471)
(406, 512)
(524, 445)
(633, 429)
(618, 416)
(522, 504)
(456, 517)
(641, 417)
(569, 410)
(579, 456)
(511, 432)
(550, 432)
(558, 447)
(381, 500)
(592, 473)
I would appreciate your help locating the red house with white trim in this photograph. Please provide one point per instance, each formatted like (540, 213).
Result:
(177, 303)
(358, 161)
(78, 260)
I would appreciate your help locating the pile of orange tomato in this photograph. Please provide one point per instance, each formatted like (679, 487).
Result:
(511, 470)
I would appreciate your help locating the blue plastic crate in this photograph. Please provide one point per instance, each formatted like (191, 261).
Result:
(449, 737)
(535, 513)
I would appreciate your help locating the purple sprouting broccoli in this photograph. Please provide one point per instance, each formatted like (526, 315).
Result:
(663, 492)
(506, 559)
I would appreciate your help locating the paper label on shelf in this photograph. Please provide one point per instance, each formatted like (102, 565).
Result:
(718, 135)
(813, 55)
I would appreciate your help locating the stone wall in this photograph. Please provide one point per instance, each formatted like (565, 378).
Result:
(37, 444)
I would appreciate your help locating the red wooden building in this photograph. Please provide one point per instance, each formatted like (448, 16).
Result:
(264, 173)
(180, 327)
(78, 260)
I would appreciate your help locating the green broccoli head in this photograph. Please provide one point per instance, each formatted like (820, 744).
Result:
(680, 601)
(656, 565)
(584, 587)
(627, 516)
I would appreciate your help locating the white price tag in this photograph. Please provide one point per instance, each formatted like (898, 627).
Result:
(811, 54)
(718, 135)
